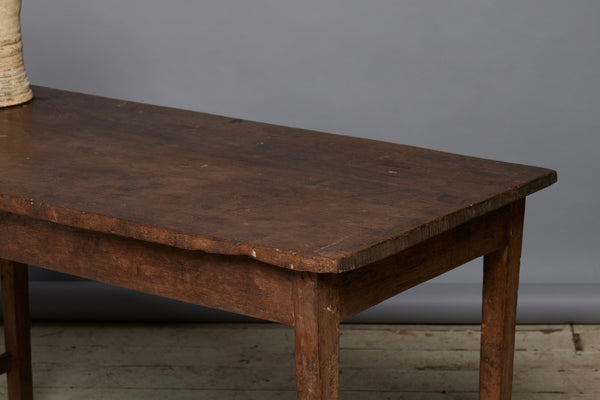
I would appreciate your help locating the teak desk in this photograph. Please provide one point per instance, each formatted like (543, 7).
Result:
(288, 225)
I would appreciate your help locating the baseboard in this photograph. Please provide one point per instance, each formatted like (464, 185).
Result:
(461, 303)
(427, 304)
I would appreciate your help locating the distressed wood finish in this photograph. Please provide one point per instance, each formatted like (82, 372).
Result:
(237, 284)
(294, 198)
(370, 285)
(317, 335)
(293, 226)
(15, 309)
(500, 286)
(380, 362)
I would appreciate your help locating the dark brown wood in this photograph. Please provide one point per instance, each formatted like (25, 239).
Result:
(370, 285)
(500, 287)
(316, 327)
(15, 308)
(284, 224)
(236, 283)
(5, 362)
(289, 197)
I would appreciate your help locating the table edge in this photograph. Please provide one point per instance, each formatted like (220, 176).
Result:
(288, 259)
(284, 259)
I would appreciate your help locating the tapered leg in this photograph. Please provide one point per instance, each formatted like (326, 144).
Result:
(15, 307)
(317, 317)
(500, 286)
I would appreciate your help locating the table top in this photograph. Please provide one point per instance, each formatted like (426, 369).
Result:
(290, 197)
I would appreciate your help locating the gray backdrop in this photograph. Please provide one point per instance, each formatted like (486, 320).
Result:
(514, 80)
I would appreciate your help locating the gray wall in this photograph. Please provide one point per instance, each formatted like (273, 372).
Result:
(514, 80)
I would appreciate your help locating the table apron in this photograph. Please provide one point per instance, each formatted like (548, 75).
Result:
(374, 283)
(236, 284)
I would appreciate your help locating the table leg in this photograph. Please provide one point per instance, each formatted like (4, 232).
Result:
(500, 286)
(15, 307)
(316, 324)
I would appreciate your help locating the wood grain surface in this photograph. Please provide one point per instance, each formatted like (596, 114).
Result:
(15, 308)
(232, 283)
(256, 362)
(372, 284)
(293, 198)
(316, 336)
(499, 311)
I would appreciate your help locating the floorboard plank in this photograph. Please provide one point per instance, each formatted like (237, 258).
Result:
(589, 335)
(255, 361)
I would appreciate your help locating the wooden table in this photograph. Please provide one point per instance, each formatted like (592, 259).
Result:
(288, 225)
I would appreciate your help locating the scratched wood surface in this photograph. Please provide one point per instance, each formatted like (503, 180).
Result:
(289, 197)
(256, 361)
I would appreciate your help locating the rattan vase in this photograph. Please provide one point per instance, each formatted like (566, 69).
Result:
(14, 85)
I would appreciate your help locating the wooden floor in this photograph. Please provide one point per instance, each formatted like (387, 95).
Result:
(255, 361)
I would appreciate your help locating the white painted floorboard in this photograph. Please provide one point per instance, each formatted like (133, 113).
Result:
(255, 361)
